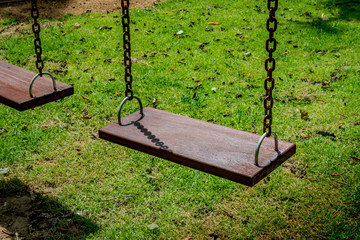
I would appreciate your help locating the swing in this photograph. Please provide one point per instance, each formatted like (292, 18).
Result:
(16, 84)
(228, 153)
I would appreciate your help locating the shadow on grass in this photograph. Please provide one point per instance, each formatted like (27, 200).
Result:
(25, 214)
(348, 9)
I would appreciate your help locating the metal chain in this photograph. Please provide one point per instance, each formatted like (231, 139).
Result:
(127, 47)
(271, 26)
(37, 41)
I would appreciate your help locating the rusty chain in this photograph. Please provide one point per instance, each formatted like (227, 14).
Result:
(271, 26)
(127, 47)
(37, 41)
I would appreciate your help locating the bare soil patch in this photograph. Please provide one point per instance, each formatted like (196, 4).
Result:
(57, 8)
(26, 214)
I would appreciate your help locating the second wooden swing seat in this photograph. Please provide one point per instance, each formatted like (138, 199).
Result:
(19, 88)
(14, 90)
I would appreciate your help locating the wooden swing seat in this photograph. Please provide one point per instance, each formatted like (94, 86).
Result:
(14, 88)
(218, 150)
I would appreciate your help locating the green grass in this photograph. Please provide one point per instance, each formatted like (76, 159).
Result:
(315, 194)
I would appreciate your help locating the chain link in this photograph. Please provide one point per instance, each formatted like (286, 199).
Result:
(270, 64)
(37, 41)
(127, 47)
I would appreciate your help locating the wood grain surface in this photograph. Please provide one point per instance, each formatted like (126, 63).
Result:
(218, 150)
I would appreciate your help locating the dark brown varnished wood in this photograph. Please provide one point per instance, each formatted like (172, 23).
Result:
(14, 88)
(218, 150)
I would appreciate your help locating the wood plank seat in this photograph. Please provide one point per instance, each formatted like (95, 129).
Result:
(14, 88)
(218, 150)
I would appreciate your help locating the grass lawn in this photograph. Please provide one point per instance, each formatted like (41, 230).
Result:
(210, 72)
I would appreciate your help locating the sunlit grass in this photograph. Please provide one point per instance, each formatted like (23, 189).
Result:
(315, 194)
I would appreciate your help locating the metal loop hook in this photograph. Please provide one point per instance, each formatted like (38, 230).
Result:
(124, 101)
(259, 145)
(38, 75)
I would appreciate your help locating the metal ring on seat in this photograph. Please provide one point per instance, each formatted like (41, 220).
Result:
(124, 101)
(259, 145)
(36, 76)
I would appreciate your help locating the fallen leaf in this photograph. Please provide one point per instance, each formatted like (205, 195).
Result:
(321, 100)
(85, 117)
(4, 171)
(304, 115)
(105, 27)
(214, 23)
(77, 24)
(2, 130)
(343, 183)
(194, 95)
(155, 102)
(324, 17)
(61, 229)
(307, 136)
(203, 44)
(153, 226)
(343, 115)
(355, 158)
(86, 98)
(337, 174)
